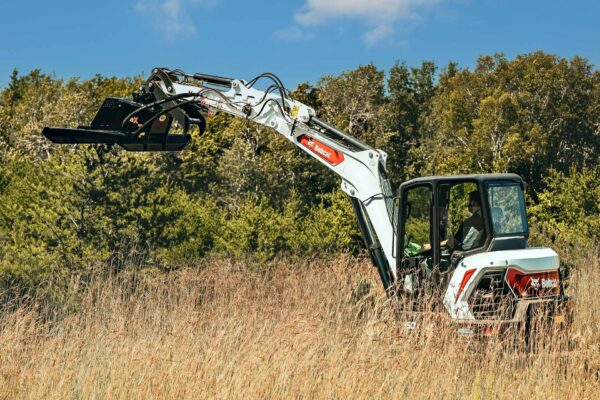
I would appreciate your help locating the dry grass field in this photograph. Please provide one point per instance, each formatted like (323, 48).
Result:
(295, 330)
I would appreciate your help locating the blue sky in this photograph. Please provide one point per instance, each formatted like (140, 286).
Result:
(299, 40)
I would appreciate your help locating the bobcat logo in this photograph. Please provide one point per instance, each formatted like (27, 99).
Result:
(541, 283)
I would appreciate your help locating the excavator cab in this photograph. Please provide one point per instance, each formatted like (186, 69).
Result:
(445, 219)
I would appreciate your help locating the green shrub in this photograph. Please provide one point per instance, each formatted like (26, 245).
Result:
(568, 209)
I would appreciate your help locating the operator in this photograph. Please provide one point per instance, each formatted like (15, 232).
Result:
(470, 233)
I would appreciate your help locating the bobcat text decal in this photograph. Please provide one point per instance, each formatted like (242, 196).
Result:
(323, 151)
(534, 284)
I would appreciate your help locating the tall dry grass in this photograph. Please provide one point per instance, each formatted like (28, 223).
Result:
(296, 330)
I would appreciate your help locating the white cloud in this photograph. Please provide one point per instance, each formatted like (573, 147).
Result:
(378, 16)
(171, 17)
(378, 33)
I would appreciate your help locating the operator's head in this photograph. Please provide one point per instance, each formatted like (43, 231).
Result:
(474, 201)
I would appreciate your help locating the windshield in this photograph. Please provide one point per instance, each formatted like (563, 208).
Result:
(507, 207)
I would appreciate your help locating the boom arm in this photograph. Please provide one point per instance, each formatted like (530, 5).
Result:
(168, 95)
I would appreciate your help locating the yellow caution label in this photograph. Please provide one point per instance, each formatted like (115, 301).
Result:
(295, 111)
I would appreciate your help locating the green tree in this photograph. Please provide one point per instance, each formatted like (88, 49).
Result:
(353, 101)
(527, 116)
(568, 208)
(410, 94)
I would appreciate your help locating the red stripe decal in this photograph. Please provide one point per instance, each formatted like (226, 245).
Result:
(464, 282)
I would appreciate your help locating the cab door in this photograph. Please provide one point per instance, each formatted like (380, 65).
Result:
(415, 239)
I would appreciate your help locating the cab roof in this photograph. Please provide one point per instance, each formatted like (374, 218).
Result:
(479, 178)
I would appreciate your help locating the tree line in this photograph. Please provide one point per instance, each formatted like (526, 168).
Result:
(243, 190)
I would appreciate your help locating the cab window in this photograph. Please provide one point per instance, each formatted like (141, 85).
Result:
(462, 225)
(417, 211)
(507, 208)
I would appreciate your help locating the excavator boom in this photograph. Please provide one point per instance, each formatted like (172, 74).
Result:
(172, 99)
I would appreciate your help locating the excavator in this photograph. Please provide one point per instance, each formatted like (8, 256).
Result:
(466, 235)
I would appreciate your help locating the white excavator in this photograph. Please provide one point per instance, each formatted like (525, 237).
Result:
(477, 261)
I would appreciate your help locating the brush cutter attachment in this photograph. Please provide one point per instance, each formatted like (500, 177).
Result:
(139, 124)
